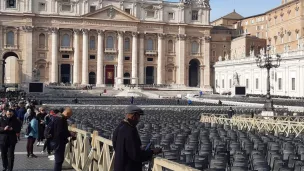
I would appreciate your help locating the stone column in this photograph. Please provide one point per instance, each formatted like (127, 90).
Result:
(1, 72)
(54, 68)
(181, 49)
(104, 74)
(20, 70)
(201, 71)
(76, 57)
(100, 59)
(134, 59)
(160, 64)
(59, 73)
(85, 54)
(28, 68)
(141, 59)
(207, 62)
(120, 59)
(71, 71)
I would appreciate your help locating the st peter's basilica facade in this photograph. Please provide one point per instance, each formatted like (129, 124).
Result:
(105, 42)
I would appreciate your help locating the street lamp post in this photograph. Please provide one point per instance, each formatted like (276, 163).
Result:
(268, 61)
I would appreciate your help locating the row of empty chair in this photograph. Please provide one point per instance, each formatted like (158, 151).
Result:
(201, 145)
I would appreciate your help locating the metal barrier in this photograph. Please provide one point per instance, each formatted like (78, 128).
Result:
(90, 152)
(282, 124)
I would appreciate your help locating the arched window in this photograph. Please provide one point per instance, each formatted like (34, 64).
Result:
(10, 38)
(170, 46)
(110, 42)
(194, 48)
(127, 44)
(150, 44)
(41, 40)
(92, 42)
(65, 40)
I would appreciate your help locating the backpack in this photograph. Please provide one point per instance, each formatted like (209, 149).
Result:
(49, 130)
(28, 129)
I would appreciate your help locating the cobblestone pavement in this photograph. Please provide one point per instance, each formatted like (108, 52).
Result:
(41, 163)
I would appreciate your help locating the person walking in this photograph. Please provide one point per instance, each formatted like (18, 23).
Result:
(127, 145)
(47, 144)
(60, 137)
(230, 112)
(41, 125)
(9, 128)
(132, 100)
(31, 134)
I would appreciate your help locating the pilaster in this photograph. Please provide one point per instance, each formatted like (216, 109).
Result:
(28, 41)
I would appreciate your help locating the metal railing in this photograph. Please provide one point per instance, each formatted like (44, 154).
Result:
(281, 124)
(90, 152)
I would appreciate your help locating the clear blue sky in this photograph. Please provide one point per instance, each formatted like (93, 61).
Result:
(244, 7)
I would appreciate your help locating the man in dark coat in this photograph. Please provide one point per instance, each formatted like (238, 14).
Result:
(230, 112)
(61, 135)
(9, 128)
(127, 145)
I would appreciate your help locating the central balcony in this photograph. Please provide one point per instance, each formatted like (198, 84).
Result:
(110, 50)
(65, 49)
(151, 52)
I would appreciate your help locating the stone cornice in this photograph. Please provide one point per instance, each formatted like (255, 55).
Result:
(298, 54)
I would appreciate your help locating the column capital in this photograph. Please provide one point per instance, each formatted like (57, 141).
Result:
(76, 31)
(85, 31)
(53, 29)
(161, 35)
(181, 36)
(27, 28)
(135, 34)
(100, 32)
(207, 38)
(120, 33)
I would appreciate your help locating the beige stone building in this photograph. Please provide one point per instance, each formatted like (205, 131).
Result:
(282, 29)
(281, 26)
(106, 42)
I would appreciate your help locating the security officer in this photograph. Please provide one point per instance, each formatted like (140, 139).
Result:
(127, 145)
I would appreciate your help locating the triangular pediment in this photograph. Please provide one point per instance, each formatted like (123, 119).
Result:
(111, 13)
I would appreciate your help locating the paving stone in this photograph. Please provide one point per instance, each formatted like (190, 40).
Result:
(41, 163)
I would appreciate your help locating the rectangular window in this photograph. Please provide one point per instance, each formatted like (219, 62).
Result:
(150, 59)
(216, 84)
(171, 15)
(230, 83)
(41, 55)
(223, 83)
(42, 7)
(11, 3)
(92, 57)
(280, 83)
(293, 84)
(256, 83)
(150, 14)
(257, 34)
(65, 56)
(128, 10)
(92, 8)
(127, 58)
(213, 53)
(66, 8)
(194, 15)
(247, 83)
